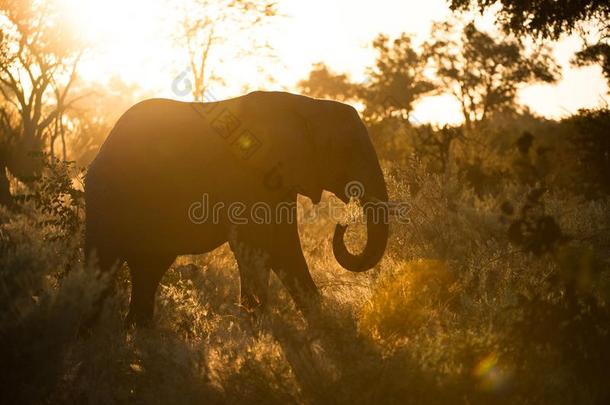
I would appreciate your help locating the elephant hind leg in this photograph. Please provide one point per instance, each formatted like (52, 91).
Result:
(146, 272)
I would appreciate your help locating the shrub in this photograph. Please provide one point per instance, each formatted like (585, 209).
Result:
(409, 298)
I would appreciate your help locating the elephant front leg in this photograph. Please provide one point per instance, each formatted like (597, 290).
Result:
(146, 273)
(289, 264)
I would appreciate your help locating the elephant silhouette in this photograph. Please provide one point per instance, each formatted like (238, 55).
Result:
(260, 148)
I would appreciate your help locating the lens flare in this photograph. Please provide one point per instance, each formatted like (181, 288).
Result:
(491, 376)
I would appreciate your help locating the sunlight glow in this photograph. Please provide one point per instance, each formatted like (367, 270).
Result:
(114, 21)
(135, 40)
(125, 36)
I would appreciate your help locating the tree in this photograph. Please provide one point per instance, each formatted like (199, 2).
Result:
(589, 137)
(599, 54)
(484, 74)
(206, 24)
(396, 81)
(545, 18)
(38, 65)
(393, 84)
(435, 144)
(552, 18)
(323, 83)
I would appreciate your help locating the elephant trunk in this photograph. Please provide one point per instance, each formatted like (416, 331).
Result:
(377, 225)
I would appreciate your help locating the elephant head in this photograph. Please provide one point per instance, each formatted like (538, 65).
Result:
(322, 145)
(348, 166)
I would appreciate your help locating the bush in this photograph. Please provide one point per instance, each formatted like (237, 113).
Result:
(408, 299)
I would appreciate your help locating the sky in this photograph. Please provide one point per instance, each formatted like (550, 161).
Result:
(133, 38)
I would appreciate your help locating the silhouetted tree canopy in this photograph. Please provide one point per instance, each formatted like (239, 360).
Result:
(547, 18)
(483, 73)
(595, 54)
(324, 83)
(590, 138)
(393, 84)
(38, 61)
(551, 19)
(396, 81)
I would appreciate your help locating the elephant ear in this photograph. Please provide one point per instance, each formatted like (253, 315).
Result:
(281, 144)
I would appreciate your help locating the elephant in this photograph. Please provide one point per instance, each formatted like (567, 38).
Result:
(263, 147)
